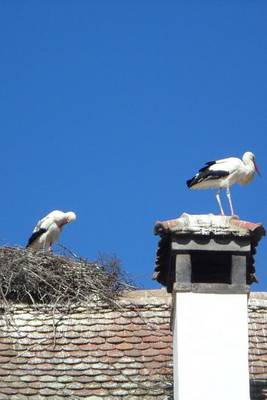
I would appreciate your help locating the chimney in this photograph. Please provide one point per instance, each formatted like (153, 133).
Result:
(207, 263)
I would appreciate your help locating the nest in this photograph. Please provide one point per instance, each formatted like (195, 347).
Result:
(37, 278)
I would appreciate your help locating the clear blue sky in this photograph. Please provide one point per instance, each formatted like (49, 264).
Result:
(107, 107)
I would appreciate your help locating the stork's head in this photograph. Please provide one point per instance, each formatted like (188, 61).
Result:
(70, 216)
(62, 218)
(248, 157)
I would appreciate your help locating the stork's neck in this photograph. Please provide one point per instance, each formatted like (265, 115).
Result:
(249, 165)
(248, 171)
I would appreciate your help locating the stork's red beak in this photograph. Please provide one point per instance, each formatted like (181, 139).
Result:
(257, 169)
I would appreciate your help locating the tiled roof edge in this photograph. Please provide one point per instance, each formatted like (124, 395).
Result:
(257, 300)
(139, 298)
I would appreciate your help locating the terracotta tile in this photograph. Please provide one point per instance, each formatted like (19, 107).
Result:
(134, 339)
(124, 346)
(133, 353)
(142, 346)
(91, 392)
(115, 339)
(107, 346)
(114, 353)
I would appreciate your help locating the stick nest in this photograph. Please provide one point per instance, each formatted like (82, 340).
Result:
(37, 278)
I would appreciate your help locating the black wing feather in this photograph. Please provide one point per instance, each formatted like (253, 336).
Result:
(207, 165)
(35, 236)
(205, 174)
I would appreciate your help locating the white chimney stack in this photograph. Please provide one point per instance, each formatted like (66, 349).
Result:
(207, 262)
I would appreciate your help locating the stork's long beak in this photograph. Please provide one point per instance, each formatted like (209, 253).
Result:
(257, 169)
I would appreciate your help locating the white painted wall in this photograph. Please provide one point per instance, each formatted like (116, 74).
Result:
(211, 347)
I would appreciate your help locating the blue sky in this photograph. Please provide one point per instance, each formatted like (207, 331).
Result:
(108, 107)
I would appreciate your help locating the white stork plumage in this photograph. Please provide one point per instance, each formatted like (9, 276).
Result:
(222, 174)
(48, 229)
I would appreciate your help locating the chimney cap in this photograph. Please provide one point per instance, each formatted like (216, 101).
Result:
(210, 224)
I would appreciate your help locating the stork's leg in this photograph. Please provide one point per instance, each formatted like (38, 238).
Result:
(228, 194)
(50, 251)
(219, 201)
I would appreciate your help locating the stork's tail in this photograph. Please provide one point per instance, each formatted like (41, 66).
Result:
(35, 236)
(191, 182)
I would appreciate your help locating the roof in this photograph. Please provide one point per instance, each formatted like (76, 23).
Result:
(88, 352)
(95, 353)
(98, 353)
(208, 226)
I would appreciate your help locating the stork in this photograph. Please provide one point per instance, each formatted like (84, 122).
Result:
(222, 174)
(48, 229)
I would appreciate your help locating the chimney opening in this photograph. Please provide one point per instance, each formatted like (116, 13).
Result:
(211, 267)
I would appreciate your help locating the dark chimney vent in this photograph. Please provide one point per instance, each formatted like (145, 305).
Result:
(210, 267)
